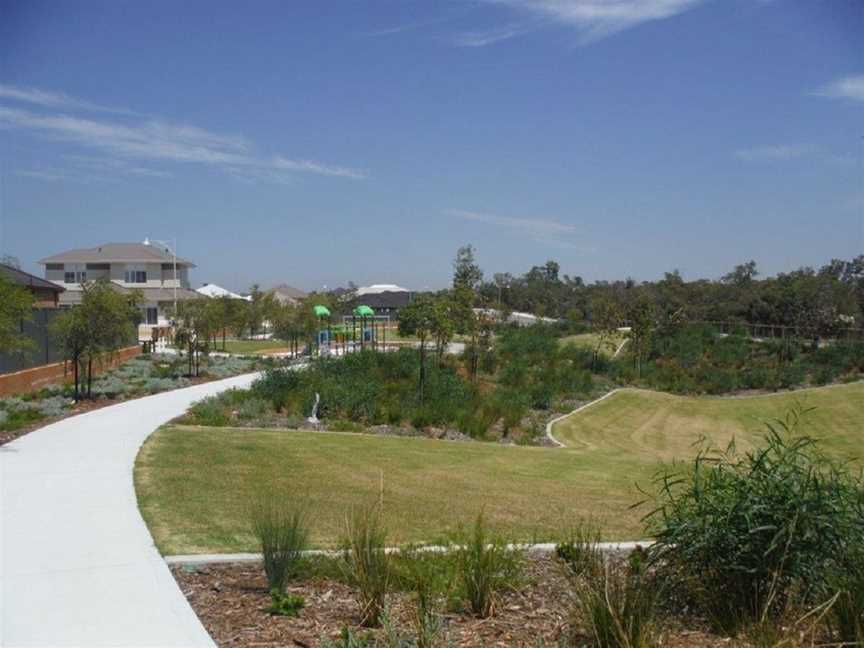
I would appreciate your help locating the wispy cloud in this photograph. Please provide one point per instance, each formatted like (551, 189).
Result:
(481, 38)
(58, 100)
(592, 19)
(850, 87)
(153, 140)
(775, 152)
(542, 230)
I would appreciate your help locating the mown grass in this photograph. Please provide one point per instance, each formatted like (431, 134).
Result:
(590, 340)
(659, 426)
(252, 346)
(195, 484)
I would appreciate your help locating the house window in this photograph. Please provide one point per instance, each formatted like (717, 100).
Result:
(135, 275)
(151, 315)
(74, 273)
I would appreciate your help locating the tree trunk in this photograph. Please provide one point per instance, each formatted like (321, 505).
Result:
(90, 377)
(75, 360)
(422, 368)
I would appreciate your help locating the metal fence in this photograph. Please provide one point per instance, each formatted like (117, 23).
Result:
(45, 349)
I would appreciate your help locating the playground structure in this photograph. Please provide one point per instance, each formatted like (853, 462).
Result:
(360, 330)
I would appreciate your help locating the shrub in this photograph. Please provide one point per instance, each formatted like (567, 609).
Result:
(847, 612)
(285, 604)
(747, 535)
(280, 528)
(253, 408)
(617, 604)
(427, 576)
(53, 406)
(365, 563)
(579, 547)
(484, 566)
(209, 411)
(275, 386)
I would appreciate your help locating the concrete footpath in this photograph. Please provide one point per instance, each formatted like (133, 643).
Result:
(77, 564)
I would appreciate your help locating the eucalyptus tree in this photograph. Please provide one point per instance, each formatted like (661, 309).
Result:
(16, 306)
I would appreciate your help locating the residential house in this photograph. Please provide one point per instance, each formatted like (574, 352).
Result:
(45, 293)
(384, 299)
(285, 294)
(161, 277)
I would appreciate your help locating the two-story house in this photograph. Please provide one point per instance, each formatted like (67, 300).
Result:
(146, 266)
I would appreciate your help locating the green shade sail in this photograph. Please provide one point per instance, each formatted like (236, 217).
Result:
(321, 311)
(364, 311)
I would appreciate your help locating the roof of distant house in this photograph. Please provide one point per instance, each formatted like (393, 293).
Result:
(212, 290)
(18, 276)
(377, 289)
(145, 252)
(288, 291)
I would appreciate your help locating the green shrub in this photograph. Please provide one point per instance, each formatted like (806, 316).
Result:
(617, 605)
(209, 411)
(279, 526)
(579, 547)
(366, 564)
(253, 408)
(846, 618)
(275, 386)
(484, 566)
(285, 604)
(746, 535)
(427, 576)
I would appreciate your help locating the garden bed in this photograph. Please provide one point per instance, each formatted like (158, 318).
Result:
(141, 376)
(231, 600)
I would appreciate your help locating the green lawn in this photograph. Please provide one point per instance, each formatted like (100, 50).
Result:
(589, 341)
(194, 484)
(662, 426)
(251, 346)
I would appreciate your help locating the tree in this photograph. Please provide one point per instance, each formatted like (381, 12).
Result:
(194, 326)
(467, 275)
(742, 275)
(11, 261)
(606, 317)
(641, 332)
(16, 304)
(418, 319)
(443, 325)
(103, 322)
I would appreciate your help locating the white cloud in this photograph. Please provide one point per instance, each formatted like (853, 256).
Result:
(481, 38)
(851, 87)
(774, 152)
(542, 230)
(159, 141)
(57, 100)
(592, 19)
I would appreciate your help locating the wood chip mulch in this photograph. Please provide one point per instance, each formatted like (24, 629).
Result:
(230, 600)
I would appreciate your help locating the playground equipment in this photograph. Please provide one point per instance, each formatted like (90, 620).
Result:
(359, 330)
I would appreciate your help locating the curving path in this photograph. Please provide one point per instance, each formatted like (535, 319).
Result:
(77, 564)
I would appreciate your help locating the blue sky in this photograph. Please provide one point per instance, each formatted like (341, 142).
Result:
(317, 143)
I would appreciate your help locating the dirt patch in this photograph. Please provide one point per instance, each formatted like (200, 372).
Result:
(230, 600)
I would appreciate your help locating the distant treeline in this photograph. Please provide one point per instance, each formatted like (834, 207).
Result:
(817, 302)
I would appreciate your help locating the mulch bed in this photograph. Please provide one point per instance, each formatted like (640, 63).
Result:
(231, 600)
(84, 406)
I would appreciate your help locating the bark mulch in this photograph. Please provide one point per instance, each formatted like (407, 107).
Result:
(231, 600)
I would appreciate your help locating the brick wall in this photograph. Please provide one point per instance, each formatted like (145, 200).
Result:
(27, 380)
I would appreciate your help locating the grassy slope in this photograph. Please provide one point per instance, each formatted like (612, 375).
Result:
(662, 426)
(589, 341)
(193, 483)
